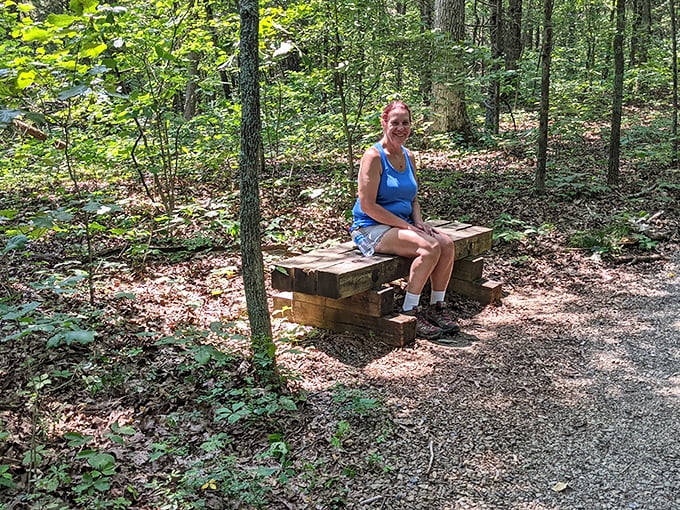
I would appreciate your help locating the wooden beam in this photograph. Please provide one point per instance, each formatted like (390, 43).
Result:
(482, 290)
(341, 271)
(393, 329)
(469, 268)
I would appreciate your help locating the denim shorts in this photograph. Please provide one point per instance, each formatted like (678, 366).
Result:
(373, 233)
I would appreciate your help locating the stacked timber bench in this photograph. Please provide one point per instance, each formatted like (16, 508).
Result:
(339, 289)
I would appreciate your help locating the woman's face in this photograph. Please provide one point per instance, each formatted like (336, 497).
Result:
(397, 126)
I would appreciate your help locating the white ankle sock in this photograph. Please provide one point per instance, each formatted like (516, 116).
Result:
(437, 296)
(410, 301)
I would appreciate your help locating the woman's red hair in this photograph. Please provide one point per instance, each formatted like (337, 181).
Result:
(394, 105)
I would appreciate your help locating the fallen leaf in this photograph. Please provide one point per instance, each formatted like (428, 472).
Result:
(560, 486)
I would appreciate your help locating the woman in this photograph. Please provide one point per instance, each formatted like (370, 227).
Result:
(387, 212)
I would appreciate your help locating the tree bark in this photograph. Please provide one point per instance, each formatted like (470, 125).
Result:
(449, 109)
(492, 117)
(190, 99)
(674, 66)
(546, 55)
(249, 162)
(617, 101)
(512, 31)
(642, 32)
(426, 22)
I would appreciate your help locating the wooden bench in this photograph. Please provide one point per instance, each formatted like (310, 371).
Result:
(339, 289)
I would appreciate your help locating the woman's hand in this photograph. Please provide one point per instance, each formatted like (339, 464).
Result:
(424, 227)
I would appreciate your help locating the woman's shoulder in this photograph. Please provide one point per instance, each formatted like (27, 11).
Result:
(372, 152)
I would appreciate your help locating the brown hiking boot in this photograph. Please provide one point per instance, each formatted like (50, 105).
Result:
(440, 316)
(424, 328)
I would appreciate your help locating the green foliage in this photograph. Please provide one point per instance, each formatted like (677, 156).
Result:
(60, 328)
(620, 231)
(509, 229)
(355, 403)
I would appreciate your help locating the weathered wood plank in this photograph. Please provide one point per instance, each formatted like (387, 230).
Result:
(469, 268)
(375, 303)
(341, 271)
(393, 329)
(482, 290)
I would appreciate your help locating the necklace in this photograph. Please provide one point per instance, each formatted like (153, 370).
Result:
(398, 162)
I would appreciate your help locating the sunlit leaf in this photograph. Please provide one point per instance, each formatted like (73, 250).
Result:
(92, 50)
(61, 20)
(25, 79)
(36, 34)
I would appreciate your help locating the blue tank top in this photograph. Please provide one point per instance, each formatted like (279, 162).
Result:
(396, 191)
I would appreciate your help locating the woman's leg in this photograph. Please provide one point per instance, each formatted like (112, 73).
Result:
(425, 251)
(441, 274)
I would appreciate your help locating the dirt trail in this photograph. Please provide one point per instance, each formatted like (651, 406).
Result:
(567, 397)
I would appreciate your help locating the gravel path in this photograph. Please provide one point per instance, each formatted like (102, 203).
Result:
(568, 397)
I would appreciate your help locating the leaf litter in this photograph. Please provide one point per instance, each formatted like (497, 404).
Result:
(565, 396)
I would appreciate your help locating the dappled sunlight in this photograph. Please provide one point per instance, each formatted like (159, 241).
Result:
(408, 369)
(613, 360)
(671, 388)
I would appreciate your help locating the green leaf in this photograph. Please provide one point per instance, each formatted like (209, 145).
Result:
(203, 354)
(163, 53)
(287, 403)
(36, 34)
(25, 79)
(77, 440)
(61, 20)
(78, 90)
(13, 313)
(81, 336)
(92, 50)
(101, 461)
(126, 430)
(6, 117)
(15, 243)
(83, 6)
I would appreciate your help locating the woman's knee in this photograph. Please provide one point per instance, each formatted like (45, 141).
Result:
(446, 246)
(431, 249)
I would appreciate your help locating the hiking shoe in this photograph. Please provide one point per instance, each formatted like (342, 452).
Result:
(424, 328)
(440, 317)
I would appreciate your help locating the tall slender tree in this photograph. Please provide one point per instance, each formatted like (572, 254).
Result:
(546, 58)
(674, 65)
(617, 101)
(249, 162)
(512, 42)
(492, 116)
(450, 109)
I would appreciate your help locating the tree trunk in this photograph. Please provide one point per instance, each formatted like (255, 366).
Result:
(492, 117)
(674, 65)
(190, 99)
(617, 102)
(642, 32)
(546, 55)
(449, 108)
(249, 162)
(512, 39)
(426, 20)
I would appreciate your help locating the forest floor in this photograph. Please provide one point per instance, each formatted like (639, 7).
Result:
(565, 396)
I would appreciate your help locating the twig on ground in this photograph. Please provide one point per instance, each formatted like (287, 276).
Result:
(370, 500)
(429, 465)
